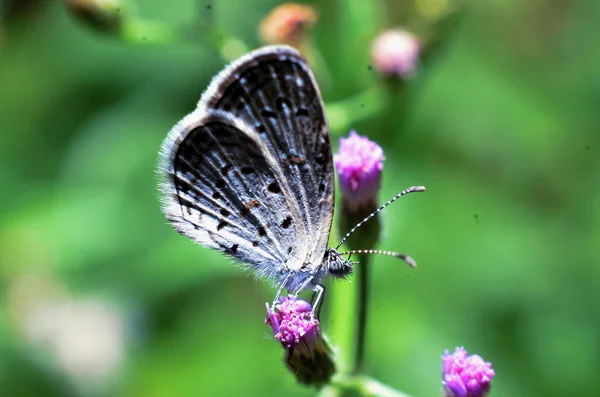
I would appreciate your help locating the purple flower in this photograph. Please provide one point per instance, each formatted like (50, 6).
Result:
(395, 53)
(293, 323)
(307, 355)
(359, 164)
(465, 376)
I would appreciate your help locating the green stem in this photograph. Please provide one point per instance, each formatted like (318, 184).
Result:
(363, 299)
(228, 47)
(366, 386)
(136, 31)
(343, 309)
(344, 114)
(330, 391)
(319, 65)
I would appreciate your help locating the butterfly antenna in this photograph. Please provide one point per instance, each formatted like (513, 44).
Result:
(409, 260)
(402, 193)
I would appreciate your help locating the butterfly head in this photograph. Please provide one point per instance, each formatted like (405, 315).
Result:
(337, 265)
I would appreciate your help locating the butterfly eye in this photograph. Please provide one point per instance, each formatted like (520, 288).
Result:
(347, 268)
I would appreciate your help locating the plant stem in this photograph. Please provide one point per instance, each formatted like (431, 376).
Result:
(341, 331)
(136, 31)
(362, 303)
(365, 386)
(139, 31)
(342, 115)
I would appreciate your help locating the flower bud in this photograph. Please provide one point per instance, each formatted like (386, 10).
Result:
(359, 164)
(306, 354)
(465, 376)
(288, 24)
(395, 53)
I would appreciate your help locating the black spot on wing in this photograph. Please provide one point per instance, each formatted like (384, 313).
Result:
(302, 112)
(274, 188)
(286, 222)
(268, 114)
(226, 169)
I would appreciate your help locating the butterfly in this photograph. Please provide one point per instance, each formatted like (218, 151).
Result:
(250, 171)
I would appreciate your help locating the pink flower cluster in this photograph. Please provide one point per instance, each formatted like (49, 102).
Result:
(292, 322)
(466, 376)
(359, 164)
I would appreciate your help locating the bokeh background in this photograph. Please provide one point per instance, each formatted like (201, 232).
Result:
(99, 297)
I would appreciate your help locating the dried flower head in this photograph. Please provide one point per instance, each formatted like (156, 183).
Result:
(288, 24)
(307, 355)
(466, 376)
(396, 53)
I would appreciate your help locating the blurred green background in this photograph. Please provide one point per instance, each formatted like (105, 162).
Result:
(99, 297)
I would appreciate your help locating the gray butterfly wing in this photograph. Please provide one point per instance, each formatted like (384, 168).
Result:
(250, 171)
(274, 91)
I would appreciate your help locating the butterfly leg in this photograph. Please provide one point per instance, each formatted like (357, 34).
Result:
(280, 290)
(304, 285)
(317, 302)
(318, 290)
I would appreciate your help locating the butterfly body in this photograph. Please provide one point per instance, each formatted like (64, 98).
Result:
(250, 171)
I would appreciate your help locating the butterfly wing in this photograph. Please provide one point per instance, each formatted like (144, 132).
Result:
(250, 171)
